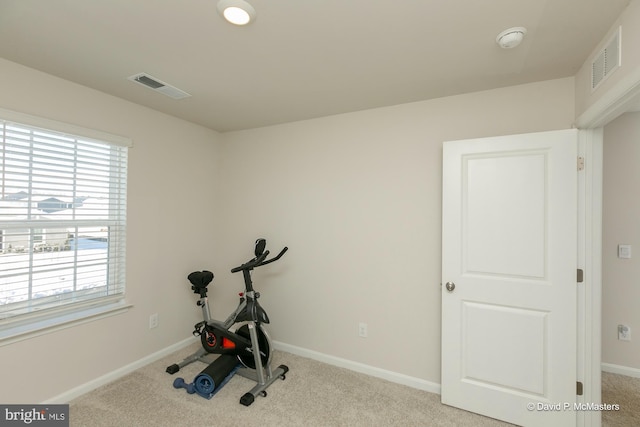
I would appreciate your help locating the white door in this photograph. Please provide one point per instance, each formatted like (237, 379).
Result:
(509, 260)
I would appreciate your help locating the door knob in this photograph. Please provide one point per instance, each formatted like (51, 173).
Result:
(450, 286)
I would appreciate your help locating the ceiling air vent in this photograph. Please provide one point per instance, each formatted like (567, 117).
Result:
(159, 86)
(607, 61)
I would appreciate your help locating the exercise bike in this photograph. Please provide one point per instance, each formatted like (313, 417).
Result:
(246, 350)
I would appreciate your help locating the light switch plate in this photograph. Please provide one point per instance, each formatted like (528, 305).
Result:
(624, 251)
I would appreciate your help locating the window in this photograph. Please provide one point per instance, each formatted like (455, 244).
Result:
(62, 219)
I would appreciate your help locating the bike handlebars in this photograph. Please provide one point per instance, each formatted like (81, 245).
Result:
(259, 261)
(285, 249)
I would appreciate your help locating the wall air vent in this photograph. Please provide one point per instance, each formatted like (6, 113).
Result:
(607, 61)
(158, 85)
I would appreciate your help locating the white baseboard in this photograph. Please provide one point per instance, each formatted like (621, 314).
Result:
(394, 377)
(621, 370)
(67, 396)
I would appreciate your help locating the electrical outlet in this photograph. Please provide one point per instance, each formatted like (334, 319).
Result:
(362, 330)
(624, 333)
(153, 321)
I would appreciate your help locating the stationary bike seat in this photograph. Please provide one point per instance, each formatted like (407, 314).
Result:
(200, 279)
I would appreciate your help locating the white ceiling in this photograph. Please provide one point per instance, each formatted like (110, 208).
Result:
(300, 59)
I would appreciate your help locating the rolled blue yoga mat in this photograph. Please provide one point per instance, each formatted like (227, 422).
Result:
(213, 377)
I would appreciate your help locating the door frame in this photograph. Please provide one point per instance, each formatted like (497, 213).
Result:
(590, 261)
(612, 104)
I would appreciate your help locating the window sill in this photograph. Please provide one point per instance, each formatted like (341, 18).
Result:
(41, 327)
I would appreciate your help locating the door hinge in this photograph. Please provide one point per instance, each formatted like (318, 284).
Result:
(579, 388)
(580, 275)
(580, 163)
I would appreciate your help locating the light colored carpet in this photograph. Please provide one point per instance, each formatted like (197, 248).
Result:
(313, 394)
(625, 392)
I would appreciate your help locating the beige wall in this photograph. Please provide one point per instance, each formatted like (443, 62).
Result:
(172, 229)
(357, 198)
(621, 225)
(628, 72)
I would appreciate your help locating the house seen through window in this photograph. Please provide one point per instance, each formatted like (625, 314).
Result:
(62, 222)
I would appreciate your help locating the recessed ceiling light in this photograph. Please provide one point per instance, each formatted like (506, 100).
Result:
(237, 12)
(511, 38)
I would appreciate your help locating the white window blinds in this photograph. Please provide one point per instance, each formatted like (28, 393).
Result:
(62, 222)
